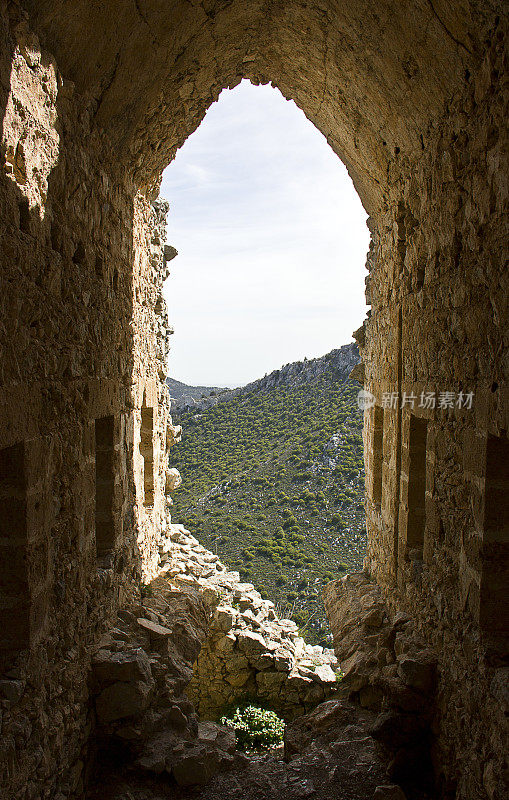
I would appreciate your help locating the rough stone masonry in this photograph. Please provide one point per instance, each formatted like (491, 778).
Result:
(95, 100)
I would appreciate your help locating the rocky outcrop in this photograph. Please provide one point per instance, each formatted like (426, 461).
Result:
(248, 650)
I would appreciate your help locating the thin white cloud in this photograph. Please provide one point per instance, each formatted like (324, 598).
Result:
(197, 173)
(271, 238)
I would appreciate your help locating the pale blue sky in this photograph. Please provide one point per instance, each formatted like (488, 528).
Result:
(271, 238)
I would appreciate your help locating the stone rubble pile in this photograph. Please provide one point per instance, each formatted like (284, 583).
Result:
(249, 652)
(201, 639)
(139, 672)
(195, 612)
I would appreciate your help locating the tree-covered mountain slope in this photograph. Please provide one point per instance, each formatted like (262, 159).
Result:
(273, 481)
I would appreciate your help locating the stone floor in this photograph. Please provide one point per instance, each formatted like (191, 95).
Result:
(329, 753)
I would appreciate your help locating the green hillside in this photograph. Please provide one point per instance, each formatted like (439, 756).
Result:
(273, 482)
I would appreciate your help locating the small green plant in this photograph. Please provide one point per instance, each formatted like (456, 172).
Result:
(339, 675)
(255, 728)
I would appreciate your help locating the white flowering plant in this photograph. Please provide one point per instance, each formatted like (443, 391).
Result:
(255, 728)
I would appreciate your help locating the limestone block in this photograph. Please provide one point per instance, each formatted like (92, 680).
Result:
(173, 479)
(213, 733)
(226, 644)
(243, 589)
(188, 580)
(297, 681)
(270, 683)
(174, 717)
(212, 753)
(235, 661)
(263, 661)
(251, 643)
(239, 677)
(306, 672)
(249, 618)
(284, 661)
(197, 767)
(173, 434)
(325, 674)
(417, 673)
(374, 617)
(401, 696)
(155, 631)
(357, 670)
(120, 700)
(314, 694)
(389, 792)
(127, 666)
(224, 618)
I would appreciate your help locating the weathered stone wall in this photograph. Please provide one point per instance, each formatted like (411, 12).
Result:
(83, 339)
(439, 323)
(413, 99)
(387, 668)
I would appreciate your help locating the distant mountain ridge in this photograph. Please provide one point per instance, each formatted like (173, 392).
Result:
(338, 363)
(183, 394)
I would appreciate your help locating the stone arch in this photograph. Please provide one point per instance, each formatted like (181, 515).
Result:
(412, 97)
(371, 77)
